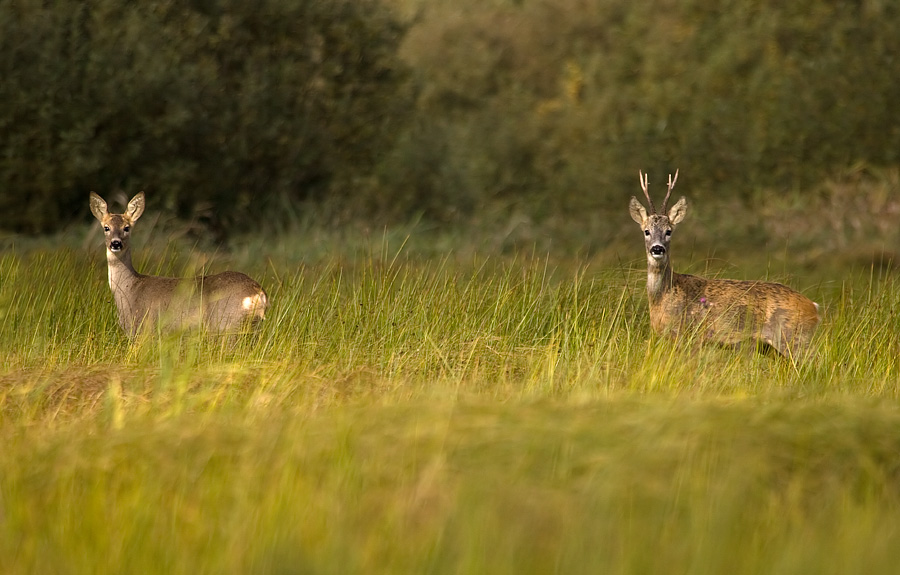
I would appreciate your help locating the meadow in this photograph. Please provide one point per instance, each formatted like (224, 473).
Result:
(420, 400)
(457, 372)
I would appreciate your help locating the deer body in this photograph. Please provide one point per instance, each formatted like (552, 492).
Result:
(220, 303)
(719, 310)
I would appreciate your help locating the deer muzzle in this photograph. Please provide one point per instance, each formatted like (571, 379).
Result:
(657, 251)
(115, 245)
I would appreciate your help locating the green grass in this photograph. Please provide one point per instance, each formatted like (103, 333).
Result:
(407, 412)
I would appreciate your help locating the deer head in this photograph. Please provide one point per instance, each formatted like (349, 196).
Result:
(117, 227)
(657, 226)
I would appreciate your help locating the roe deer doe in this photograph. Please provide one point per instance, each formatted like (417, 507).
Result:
(719, 310)
(220, 303)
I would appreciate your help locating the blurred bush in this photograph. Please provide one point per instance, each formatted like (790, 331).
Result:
(558, 103)
(233, 111)
(220, 109)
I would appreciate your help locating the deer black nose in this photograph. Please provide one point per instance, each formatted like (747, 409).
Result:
(657, 250)
(115, 245)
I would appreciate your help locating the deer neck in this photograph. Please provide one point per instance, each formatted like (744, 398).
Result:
(121, 272)
(659, 278)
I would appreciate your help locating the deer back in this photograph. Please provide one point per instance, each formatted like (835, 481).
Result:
(220, 302)
(730, 311)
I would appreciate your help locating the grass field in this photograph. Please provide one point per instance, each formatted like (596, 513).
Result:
(407, 408)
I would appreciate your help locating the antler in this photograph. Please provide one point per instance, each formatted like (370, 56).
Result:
(644, 183)
(669, 191)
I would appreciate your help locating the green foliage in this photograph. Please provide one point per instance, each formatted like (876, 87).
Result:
(557, 104)
(223, 110)
(231, 113)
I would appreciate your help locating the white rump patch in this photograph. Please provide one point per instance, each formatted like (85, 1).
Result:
(255, 304)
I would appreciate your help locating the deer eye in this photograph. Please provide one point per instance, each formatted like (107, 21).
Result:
(647, 233)
(668, 232)
(127, 228)
(105, 228)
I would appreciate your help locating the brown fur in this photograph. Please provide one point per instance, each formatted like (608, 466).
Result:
(221, 303)
(719, 310)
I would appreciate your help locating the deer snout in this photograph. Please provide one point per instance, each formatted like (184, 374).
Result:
(657, 251)
(115, 245)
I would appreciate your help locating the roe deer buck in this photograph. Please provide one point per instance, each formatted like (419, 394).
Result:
(221, 303)
(719, 310)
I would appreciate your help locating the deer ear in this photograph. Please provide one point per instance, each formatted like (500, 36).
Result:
(678, 211)
(98, 206)
(135, 207)
(637, 211)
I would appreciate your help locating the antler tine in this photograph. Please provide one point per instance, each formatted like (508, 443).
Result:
(669, 191)
(644, 184)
